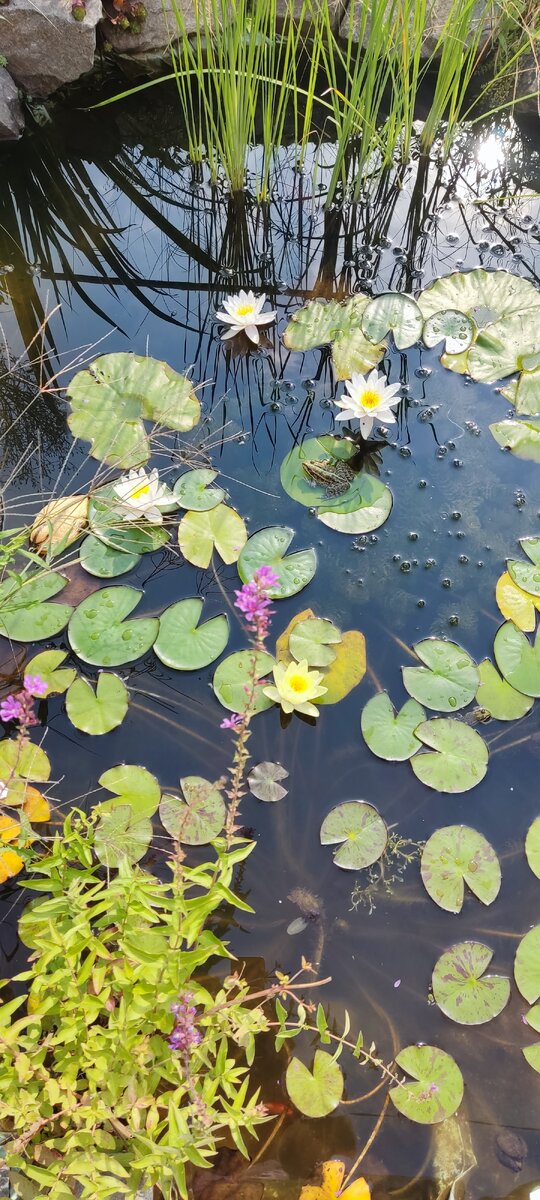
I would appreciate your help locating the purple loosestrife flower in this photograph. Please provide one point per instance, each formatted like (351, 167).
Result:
(253, 601)
(184, 1035)
(231, 722)
(34, 685)
(11, 709)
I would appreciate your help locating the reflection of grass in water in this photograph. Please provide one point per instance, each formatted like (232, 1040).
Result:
(387, 873)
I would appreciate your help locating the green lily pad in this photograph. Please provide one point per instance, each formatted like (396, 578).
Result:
(25, 612)
(318, 1092)
(353, 354)
(120, 837)
(46, 665)
(531, 546)
(131, 785)
(130, 537)
(527, 965)
(532, 848)
(496, 695)
(269, 548)
(111, 400)
(532, 1055)
(455, 328)
(454, 856)
(533, 1018)
(192, 490)
(462, 989)
(184, 644)
(517, 660)
(527, 395)
(448, 680)
(437, 1090)
(317, 324)
(525, 574)
(393, 312)
(199, 817)
(100, 634)
(369, 500)
(221, 529)
(103, 560)
(521, 437)
(388, 734)
(459, 759)
(312, 641)
(20, 764)
(264, 782)
(100, 711)
(233, 676)
(360, 832)
(376, 506)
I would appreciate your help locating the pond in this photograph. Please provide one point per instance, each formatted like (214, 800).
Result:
(109, 242)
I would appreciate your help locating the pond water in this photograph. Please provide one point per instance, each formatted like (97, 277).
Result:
(101, 215)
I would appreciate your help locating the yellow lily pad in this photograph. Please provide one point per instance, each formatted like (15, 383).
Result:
(348, 668)
(515, 604)
(283, 653)
(11, 864)
(59, 524)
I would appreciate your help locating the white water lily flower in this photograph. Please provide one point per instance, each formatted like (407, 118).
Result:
(369, 399)
(296, 686)
(244, 312)
(140, 496)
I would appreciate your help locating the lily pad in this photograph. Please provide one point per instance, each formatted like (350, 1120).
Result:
(526, 575)
(312, 640)
(348, 668)
(532, 1055)
(449, 679)
(318, 1092)
(352, 353)
(111, 400)
(360, 832)
(396, 313)
(25, 612)
(531, 546)
(221, 529)
(455, 328)
(527, 965)
(199, 817)
(517, 660)
(48, 666)
(103, 560)
(527, 398)
(367, 501)
(184, 644)
(59, 524)
(437, 1090)
(496, 695)
(388, 734)
(521, 437)
(533, 1018)
(120, 837)
(100, 711)
(269, 548)
(264, 781)
(515, 604)
(192, 490)
(18, 765)
(131, 785)
(532, 848)
(462, 989)
(131, 537)
(233, 676)
(376, 506)
(317, 324)
(454, 856)
(460, 756)
(100, 634)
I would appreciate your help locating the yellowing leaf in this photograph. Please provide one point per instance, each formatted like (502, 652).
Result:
(10, 864)
(332, 1178)
(59, 524)
(515, 604)
(283, 653)
(348, 668)
(35, 806)
(9, 829)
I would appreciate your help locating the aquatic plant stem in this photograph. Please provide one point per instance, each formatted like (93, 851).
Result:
(367, 1145)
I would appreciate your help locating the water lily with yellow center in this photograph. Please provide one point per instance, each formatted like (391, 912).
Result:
(295, 687)
(141, 496)
(244, 314)
(370, 399)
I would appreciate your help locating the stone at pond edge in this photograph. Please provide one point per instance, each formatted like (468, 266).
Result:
(11, 114)
(44, 46)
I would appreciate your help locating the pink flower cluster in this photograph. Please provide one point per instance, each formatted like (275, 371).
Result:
(253, 601)
(21, 706)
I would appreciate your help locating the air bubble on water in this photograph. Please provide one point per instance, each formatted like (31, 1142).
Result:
(430, 562)
(422, 483)
(456, 516)
(446, 583)
(453, 619)
(497, 249)
(396, 558)
(460, 533)
(275, 406)
(373, 539)
(520, 498)
(423, 372)
(480, 563)
(482, 247)
(452, 238)
(463, 559)
(457, 462)
(308, 384)
(420, 604)
(441, 452)
(405, 567)
(312, 512)
(405, 451)
(413, 536)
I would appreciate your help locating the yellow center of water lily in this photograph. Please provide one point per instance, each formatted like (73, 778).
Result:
(370, 399)
(244, 310)
(140, 492)
(298, 683)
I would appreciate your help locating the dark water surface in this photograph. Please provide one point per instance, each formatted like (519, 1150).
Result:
(101, 214)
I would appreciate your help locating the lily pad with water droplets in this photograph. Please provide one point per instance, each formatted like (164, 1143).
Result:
(454, 856)
(269, 548)
(348, 668)
(462, 989)
(232, 680)
(221, 529)
(448, 680)
(526, 575)
(359, 831)
(527, 965)
(455, 328)
(527, 395)
(119, 836)
(388, 734)
(264, 781)
(186, 645)
(498, 696)
(192, 490)
(437, 1088)
(105, 561)
(318, 1092)
(317, 324)
(532, 848)
(100, 634)
(97, 712)
(20, 763)
(352, 353)
(517, 659)
(515, 604)
(312, 640)
(396, 313)
(457, 759)
(521, 437)
(199, 817)
(131, 785)
(48, 665)
(25, 612)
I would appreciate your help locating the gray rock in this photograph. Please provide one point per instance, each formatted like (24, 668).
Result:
(158, 30)
(438, 13)
(43, 44)
(11, 114)
(528, 85)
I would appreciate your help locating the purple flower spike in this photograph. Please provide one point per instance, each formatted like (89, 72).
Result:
(184, 1035)
(11, 709)
(231, 722)
(35, 685)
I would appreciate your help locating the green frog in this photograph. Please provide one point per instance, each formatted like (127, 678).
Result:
(333, 474)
